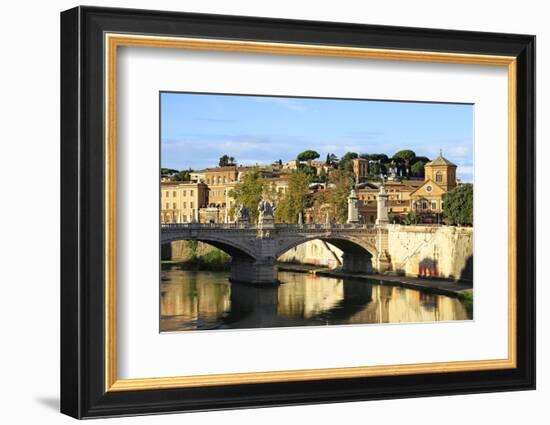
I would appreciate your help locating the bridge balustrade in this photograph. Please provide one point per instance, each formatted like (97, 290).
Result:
(282, 226)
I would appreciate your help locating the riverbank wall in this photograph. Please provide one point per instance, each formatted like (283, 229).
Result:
(444, 252)
(432, 251)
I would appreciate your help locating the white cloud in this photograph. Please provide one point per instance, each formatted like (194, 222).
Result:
(285, 103)
(458, 151)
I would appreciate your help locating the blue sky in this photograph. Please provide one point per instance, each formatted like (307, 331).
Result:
(196, 129)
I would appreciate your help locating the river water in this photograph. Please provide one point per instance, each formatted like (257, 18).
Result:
(192, 300)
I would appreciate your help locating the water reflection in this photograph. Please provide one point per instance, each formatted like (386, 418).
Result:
(206, 300)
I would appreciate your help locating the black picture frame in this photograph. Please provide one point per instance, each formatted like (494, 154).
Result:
(83, 392)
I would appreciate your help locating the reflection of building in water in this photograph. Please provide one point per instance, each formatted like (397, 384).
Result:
(317, 295)
(190, 300)
(394, 305)
(205, 300)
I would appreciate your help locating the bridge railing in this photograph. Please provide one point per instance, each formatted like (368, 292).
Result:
(281, 226)
(175, 226)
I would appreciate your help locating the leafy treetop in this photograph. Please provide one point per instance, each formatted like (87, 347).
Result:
(308, 155)
(458, 205)
(226, 161)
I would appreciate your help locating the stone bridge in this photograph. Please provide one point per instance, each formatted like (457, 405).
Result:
(254, 249)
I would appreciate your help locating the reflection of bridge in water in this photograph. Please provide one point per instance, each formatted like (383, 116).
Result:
(205, 300)
(254, 249)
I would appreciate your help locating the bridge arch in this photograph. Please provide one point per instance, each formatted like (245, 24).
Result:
(343, 242)
(358, 255)
(230, 247)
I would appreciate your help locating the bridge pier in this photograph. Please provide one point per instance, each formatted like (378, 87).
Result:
(256, 272)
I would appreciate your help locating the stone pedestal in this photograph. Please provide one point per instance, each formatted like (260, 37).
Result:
(353, 209)
(242, 216)
(382, 206)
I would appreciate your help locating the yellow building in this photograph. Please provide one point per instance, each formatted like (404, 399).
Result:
(278, 185)
(218, 204)
(217, 175)
(180, 201)
(439, 178)
(442, 172)
(360, 169)
(422, 197)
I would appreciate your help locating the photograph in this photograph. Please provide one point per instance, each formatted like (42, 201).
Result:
(279, 211)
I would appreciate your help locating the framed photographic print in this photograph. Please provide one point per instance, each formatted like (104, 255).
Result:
(261, 212)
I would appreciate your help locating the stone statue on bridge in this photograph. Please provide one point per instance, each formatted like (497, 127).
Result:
(242, 214)
(266, 217)
(266, 210)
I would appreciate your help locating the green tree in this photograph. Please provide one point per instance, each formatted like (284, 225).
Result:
(424, 159)
(377, 163)
(296, 198)
(404, 159)
(169, 171)
(417, 169)
(308, 156)
(345, 164)
(226, 161)
(310, 171)
(249, 192)
(183, 175)
(337, 194)
(380, 157)
(458, 205)
(331, 159)
(410, 218)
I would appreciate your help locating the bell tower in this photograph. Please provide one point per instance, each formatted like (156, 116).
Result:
(442, 172)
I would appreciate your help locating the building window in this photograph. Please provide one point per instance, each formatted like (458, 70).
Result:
(167, 205)
(185, 205)
(439, 177)
(174, 194)
(434, 205)
(424, 205)
(174, 205)
(167, 194)
(190, 204)
(224, 179)
(190, 193)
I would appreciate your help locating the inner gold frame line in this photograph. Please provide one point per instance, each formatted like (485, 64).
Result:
(112, 41)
